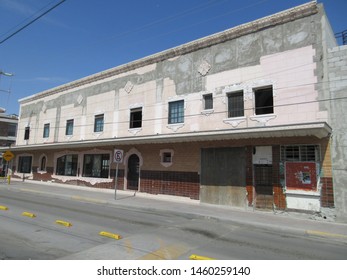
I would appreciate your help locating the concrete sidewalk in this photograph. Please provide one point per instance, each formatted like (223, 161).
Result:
(280, 221)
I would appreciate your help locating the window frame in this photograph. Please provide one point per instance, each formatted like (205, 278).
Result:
(68, 165)
(301, 153)
(176, 112)
(46, 129)
(23, 166)
(43, 163)
(27, 133)
(93, 171)
(69, 127)
(207, 101)
(234, 99)
(263, 104)
(135, 122)
(99, 123)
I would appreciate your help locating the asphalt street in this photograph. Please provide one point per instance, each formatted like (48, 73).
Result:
(153, 227)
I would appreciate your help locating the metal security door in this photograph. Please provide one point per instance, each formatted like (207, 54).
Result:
(133, 172)
(263, 186)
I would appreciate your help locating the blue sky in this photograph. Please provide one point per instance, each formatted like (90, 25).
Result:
(83, 37)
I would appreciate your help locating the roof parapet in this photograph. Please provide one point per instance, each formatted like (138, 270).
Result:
(282, 17)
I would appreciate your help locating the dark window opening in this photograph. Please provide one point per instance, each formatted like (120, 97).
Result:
(167, 157)
(235, 104)
(43, 163)
(136, 118)
(24, 164)
(69, 127)
(96, 165)
(27, 133)
(264, 103)
(208, 101)
(67, 165)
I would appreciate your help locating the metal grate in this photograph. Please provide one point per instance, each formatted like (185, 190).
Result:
(343, 36)
(300, 153)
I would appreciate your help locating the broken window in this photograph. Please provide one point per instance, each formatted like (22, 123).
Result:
(264, 103)
(136, 118)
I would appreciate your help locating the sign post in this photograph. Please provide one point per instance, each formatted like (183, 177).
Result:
(7, 156)
(118, 158)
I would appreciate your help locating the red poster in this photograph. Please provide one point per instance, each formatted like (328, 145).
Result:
(301, 175)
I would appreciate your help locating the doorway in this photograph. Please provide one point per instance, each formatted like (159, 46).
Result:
(263, 186)
(133, 175)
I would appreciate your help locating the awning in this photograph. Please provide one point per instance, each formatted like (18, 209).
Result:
(319, 130)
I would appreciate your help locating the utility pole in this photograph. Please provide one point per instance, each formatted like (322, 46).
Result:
(7, 75)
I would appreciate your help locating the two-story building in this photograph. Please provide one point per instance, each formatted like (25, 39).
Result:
(8, 130)
(237, 118)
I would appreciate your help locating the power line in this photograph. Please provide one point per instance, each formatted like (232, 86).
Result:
(32, 21)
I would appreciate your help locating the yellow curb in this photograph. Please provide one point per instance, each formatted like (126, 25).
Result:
(63, 223)
(110, 235)
(28, 214)
(326, 234)
(3, 207)
(200, 258)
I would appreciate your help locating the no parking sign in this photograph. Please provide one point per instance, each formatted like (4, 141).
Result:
(118, 156)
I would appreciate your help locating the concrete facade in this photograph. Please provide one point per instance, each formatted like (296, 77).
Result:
(337, 63)
(245, 100)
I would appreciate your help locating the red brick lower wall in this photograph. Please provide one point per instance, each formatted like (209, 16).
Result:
(327, 192)
(279, 198)
(249, 195)
(171, 183)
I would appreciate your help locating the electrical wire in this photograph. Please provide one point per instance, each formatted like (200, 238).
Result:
(31, 21)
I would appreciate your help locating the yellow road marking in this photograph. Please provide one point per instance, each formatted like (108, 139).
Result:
(110, 235)
(326, 234)
(170, 252)
(200, 258)
(28, 214)
(80, 198)
(63, 223)
(128, 246)
(2, 207)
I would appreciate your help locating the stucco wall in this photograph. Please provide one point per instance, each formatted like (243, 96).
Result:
(337, 62)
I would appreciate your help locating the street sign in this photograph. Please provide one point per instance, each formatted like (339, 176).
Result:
(118, 156)
(8, 155)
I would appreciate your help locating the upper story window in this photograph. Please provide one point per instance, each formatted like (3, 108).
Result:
(11, 129)
(208, 101)
(99, 123)
(235, 104)
(176, 112)
(69, 127)
(264, 103)
(27, 133)
(46, 130)
(135, 118)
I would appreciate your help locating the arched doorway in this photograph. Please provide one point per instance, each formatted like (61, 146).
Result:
(133, 172)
